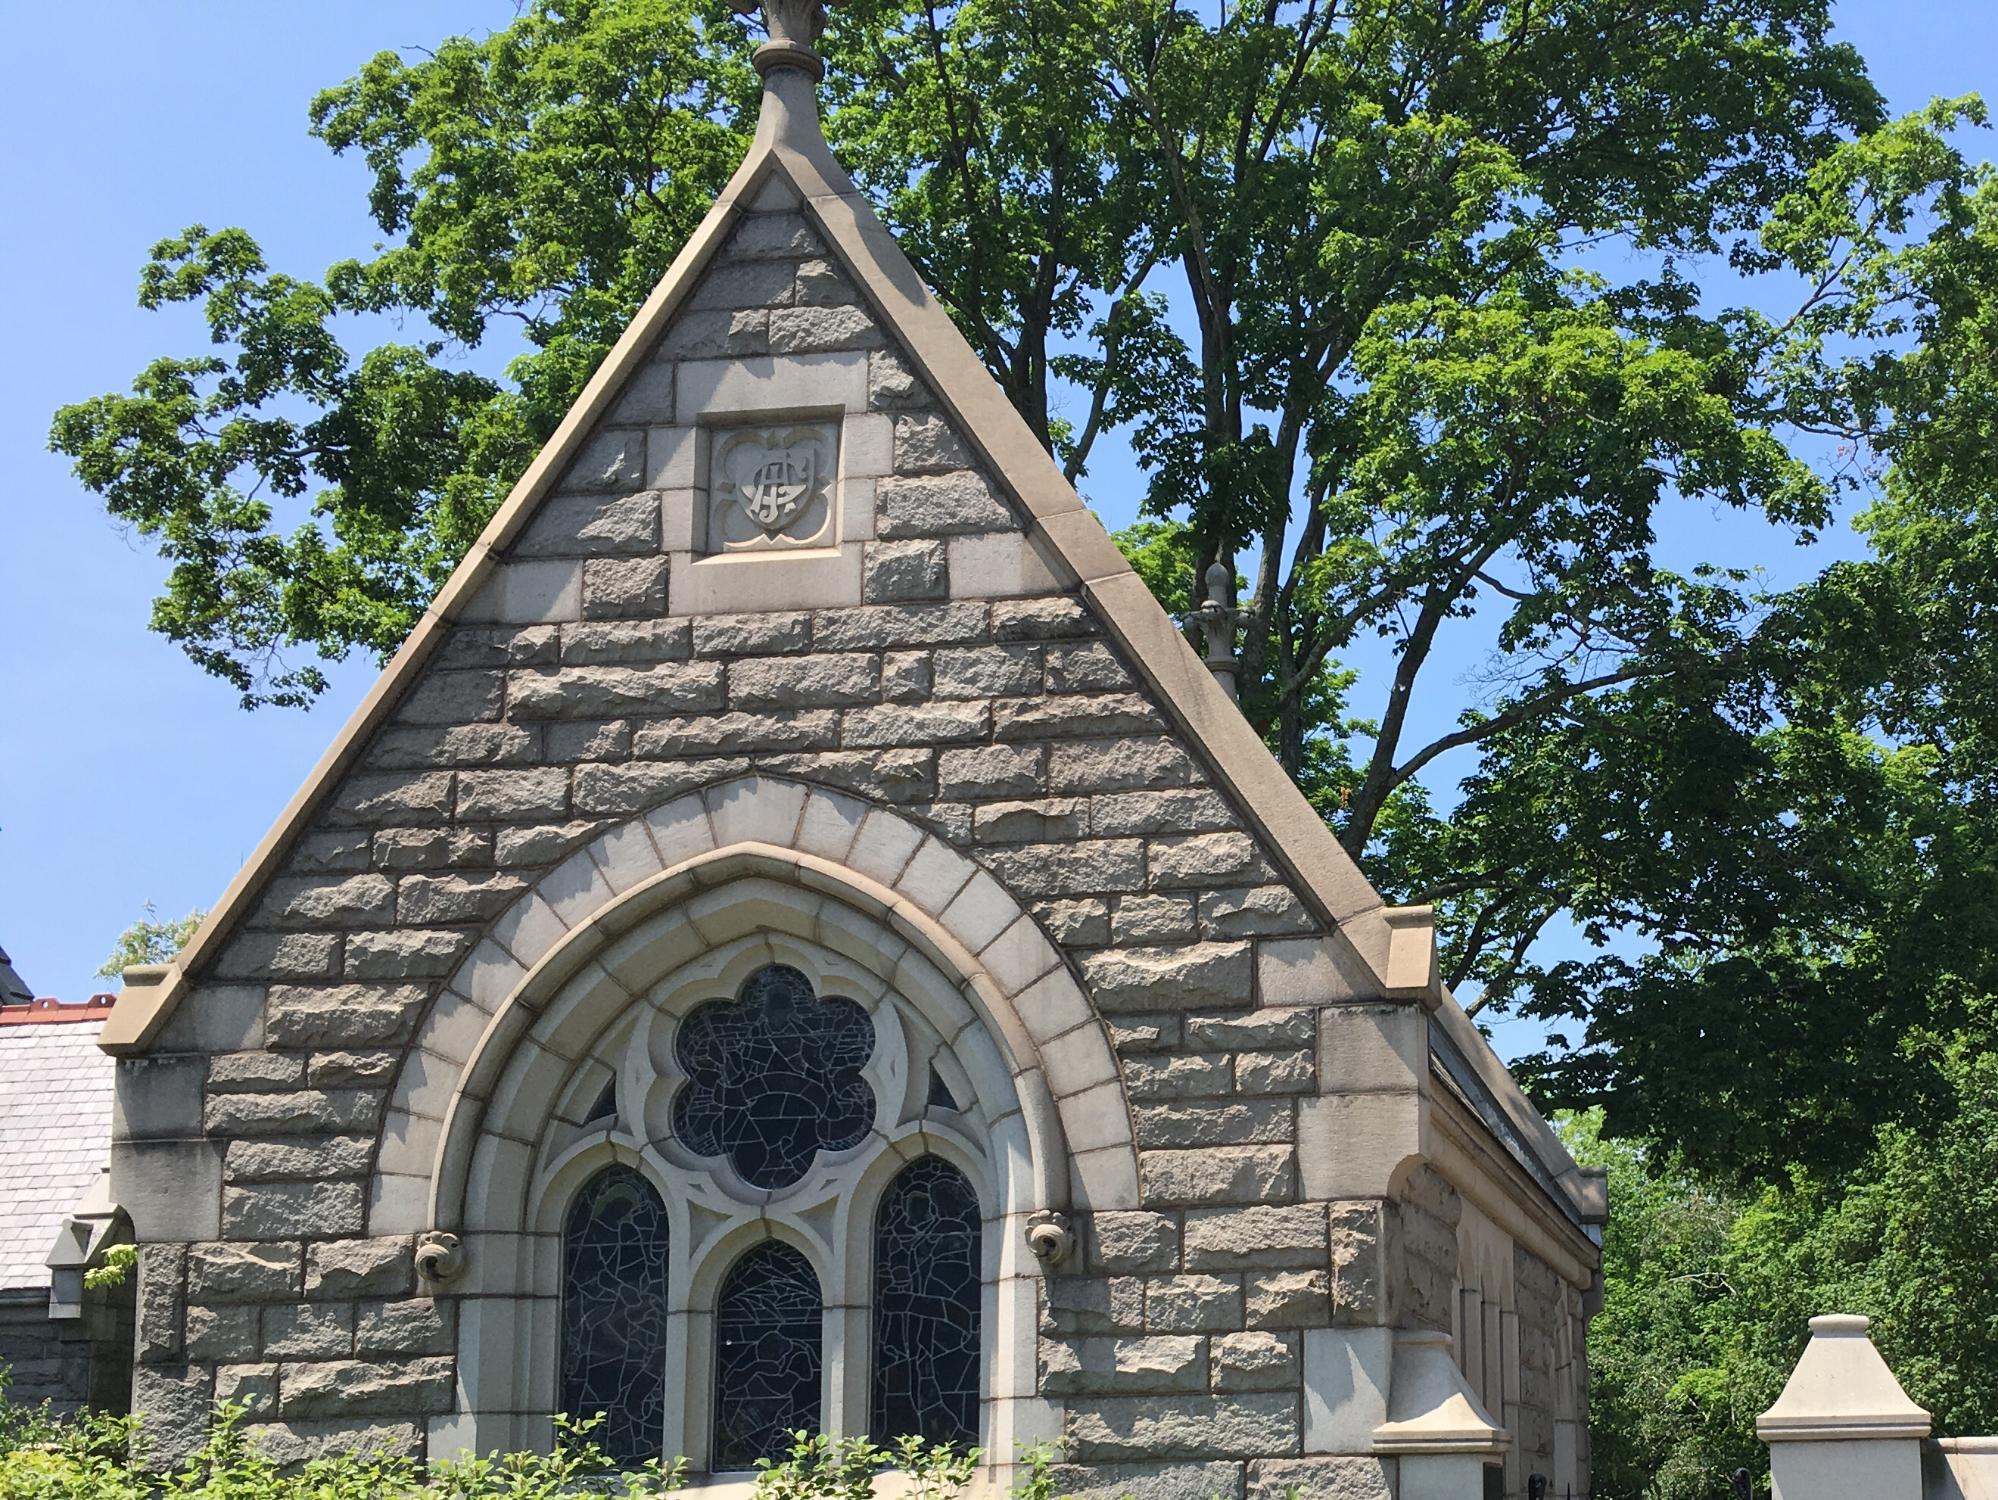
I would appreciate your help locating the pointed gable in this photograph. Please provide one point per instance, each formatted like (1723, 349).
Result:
(792, 524)
(794, 650)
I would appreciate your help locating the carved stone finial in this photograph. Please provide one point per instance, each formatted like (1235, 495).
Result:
(439, 1256)
(1218, 622)
(1219, 576)
(1049, 1237)
(794, 25)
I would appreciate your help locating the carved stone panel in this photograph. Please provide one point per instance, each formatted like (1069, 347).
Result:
(773, 487)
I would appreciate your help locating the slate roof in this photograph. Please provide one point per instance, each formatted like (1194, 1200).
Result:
(55, 1127)
(13, 989)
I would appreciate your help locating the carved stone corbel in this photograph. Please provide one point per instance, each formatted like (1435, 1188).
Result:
(439, 1256)
(1049, 1237)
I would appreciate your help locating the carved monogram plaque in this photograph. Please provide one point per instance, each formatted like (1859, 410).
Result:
(773, 486)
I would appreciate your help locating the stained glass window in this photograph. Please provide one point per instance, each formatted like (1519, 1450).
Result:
(773, 1077)
(769, 1326)
(927, 1243)
(614, 1312)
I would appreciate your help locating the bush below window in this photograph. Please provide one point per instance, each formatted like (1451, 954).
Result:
(103, 1458)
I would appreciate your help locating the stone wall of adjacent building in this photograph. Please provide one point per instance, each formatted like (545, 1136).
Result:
(958, 684)
(73, 1364)
(1542, 1304)
(1442, 1275)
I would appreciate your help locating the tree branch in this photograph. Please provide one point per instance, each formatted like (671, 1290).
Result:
(1519, 713)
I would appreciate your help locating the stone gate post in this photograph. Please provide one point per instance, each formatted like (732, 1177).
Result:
(1843, 1429)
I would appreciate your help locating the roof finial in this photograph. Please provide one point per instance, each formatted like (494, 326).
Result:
(793, 26)
(1218, 622)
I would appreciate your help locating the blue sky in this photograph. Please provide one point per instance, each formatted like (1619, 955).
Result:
(127, 774)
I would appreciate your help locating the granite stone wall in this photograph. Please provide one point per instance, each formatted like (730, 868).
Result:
(1427, 1214)
(74, 1364)
(1538, 1292)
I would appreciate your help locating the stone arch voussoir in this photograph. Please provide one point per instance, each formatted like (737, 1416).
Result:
(720, 861)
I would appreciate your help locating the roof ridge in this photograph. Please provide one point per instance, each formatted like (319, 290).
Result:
(45, 1011)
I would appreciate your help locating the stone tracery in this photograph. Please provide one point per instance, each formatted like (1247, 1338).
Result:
(915, 1265)
(811, 1110)
(945, 1070)
(774, 1077)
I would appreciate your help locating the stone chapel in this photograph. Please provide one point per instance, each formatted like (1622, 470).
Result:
(796, 938)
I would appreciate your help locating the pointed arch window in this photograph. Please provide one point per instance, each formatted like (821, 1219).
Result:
(928, 1243)
(769, 1354)
(614, 1246)
(779, 1111)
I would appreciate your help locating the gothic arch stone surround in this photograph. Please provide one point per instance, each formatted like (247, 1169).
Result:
(718, 859)
(484, 1134)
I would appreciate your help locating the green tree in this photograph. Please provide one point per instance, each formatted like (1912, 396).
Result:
(1400, 307)
(149, 941)
(1708, 1291)
(1669, 1419)
(1820, 923)
(310, 500)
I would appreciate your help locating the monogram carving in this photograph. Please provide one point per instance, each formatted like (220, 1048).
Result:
(773, 486)
(774, 483)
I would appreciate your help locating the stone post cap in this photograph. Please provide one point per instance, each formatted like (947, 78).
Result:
(1431, 1407)
(1841, 1390)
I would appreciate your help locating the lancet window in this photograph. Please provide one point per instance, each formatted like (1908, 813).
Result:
(927, 1238)
(614, 1308)
(769, 1355)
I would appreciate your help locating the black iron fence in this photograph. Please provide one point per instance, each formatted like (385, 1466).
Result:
(1740, 1486)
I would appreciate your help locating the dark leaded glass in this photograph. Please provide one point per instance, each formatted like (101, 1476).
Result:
(614, 1312)
(927, 1244)
(940, 1094)
(773, 1077)
(769, 1324)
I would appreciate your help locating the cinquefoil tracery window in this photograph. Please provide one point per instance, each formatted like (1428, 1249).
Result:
(795, 1132)
(773, 1078)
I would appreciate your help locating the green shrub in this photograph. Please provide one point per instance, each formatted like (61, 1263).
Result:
(21, 1426)
(829, 1468)
(104, 1458)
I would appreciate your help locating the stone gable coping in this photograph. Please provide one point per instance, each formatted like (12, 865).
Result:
(1058, 522)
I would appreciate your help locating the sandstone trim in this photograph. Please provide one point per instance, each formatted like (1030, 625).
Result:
(934, 899)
